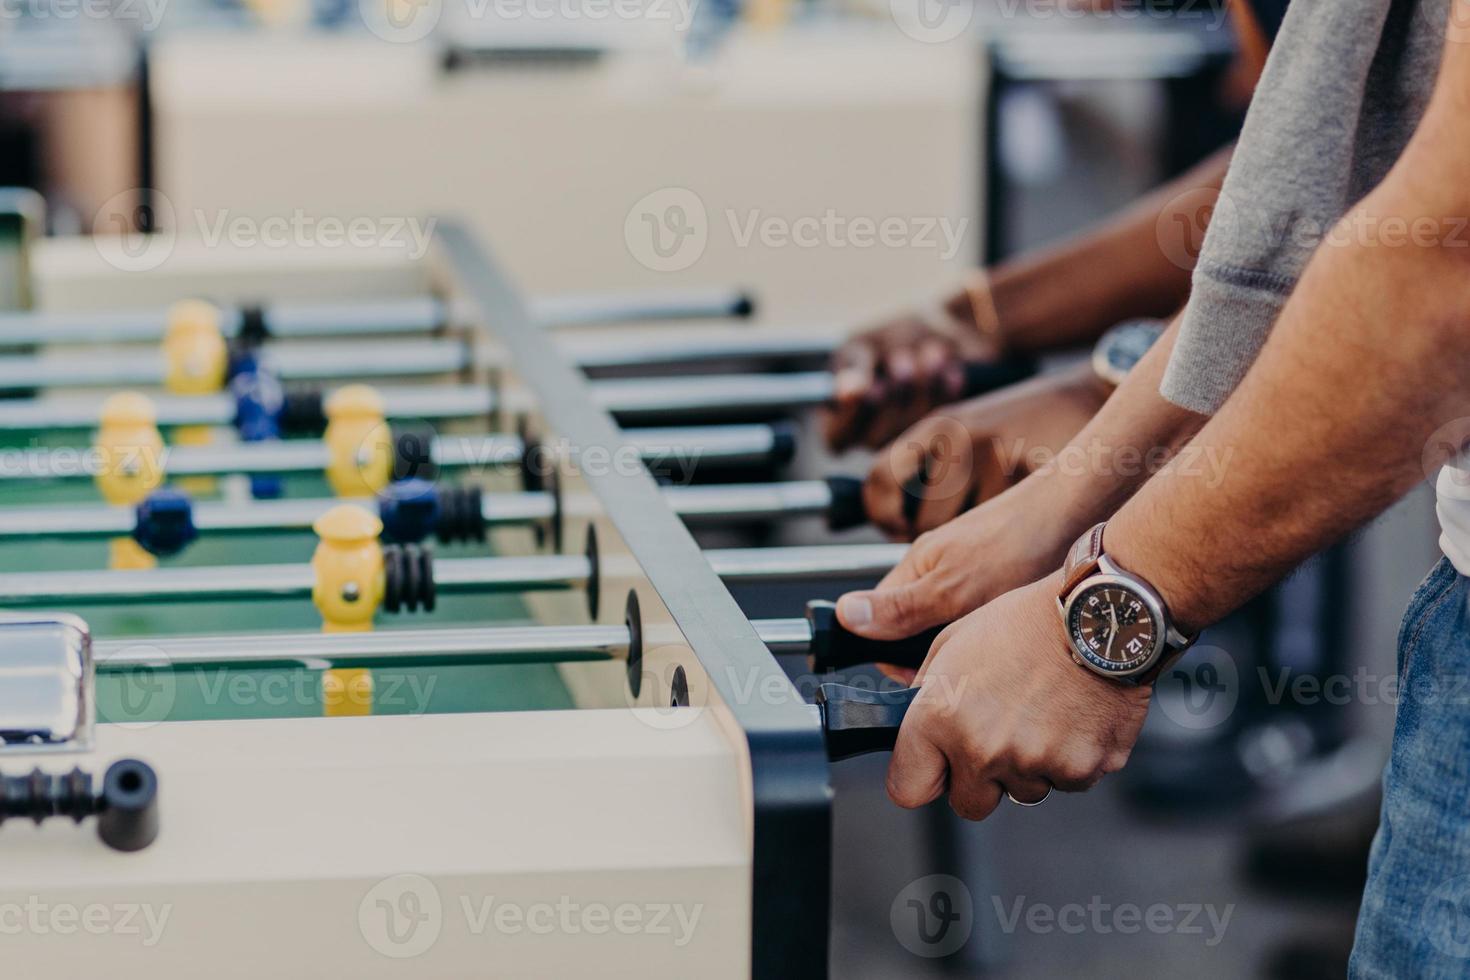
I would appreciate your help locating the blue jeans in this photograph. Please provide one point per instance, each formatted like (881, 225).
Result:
(1415, 919)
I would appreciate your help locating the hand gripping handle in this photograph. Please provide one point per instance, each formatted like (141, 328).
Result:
(834, 647)
(859, 721)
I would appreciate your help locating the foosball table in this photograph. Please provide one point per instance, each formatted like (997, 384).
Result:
(367, 638)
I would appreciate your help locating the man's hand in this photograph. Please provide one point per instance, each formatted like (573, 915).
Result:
(890, 376)
(1058, 298)
(972, 451)
(1024, 533)
(1005, 542)
(1003, 709)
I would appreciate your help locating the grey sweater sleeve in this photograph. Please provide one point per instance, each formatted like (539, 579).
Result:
(1343, 90)
(1221, 333)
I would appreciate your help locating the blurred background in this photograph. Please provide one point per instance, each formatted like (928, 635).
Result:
(619, 144)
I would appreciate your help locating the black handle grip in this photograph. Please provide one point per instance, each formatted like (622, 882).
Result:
(987, 376)
(413, 453)
(979, 379)
(846, 511)
(128, 820)
(858, 721)
(915, 489)
(126, 807)
(834, 647)
(783, 444)
(741, 306)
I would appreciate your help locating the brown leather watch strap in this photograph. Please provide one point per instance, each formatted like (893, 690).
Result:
(1082, 559)
(1086, 558)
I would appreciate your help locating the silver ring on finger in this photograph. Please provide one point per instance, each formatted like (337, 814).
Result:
(1043, 799)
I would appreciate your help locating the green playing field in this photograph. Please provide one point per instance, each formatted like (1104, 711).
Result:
(192, 693)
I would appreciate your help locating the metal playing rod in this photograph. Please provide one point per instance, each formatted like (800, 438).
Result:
(591, 309)
(855, 721)
(334, 361)
(634, 349)
(471, 645)
(406, 315)
(409, 315)
(733, 446)
(453, 576)
(752, 501)
(385, 359)
(812, 563)
(639, 399)
(720, 502)
(744, 445)
(80, 412)
(289, 362)
(630, 399)
(645, 398)
(694, 445)
(720, 394)
(512, 644)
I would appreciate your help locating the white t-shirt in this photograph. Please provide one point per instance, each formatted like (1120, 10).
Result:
(1452, 504)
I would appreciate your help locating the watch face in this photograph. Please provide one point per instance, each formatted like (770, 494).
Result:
(1113, 628)
(1132, 342)
(1123, 356)
(1122, 347)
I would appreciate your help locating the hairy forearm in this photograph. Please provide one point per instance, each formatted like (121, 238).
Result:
(1069, 294)
(1330, 425)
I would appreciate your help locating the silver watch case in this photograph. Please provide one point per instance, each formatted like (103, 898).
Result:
(1169, 640)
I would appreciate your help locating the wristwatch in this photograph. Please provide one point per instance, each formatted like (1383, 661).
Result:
(1117, 625)
(1124, 346)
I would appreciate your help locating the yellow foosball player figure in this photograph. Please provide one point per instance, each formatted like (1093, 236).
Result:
(196, 362)
(130, 466)
(348, 563)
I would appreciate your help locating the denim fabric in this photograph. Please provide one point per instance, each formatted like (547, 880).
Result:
(1415, 919)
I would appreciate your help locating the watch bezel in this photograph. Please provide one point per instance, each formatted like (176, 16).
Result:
(1111, 575)
(1104, 368)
